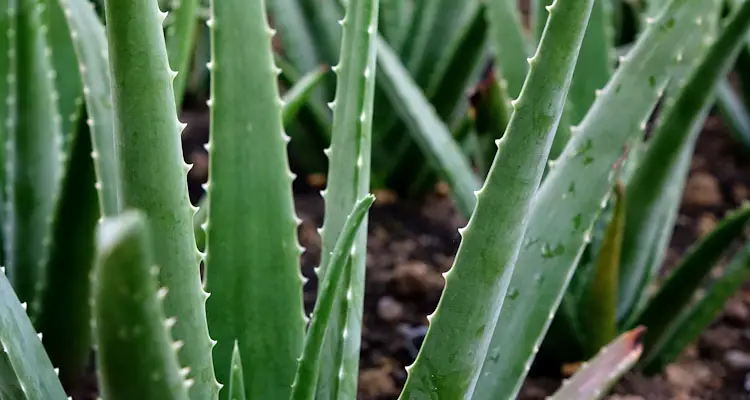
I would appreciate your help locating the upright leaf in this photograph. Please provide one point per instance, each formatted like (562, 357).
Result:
(90, 44)
(450, 358)
(136, 357)
(34, 145)
(348, 181)
(252, 252)
(339, 269)
(577, 187)
(180, 36)
(153, 173)
(665, 164)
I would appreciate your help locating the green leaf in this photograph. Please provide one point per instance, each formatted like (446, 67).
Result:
(450, 358)
(180, 37)
(733, 112)
(90, 44)
(665, 165)
(136, 358)
(569, 200)
(62, 302)
(597, 376)
(35, 152)
(699, 314)
(22, 351)
(348, 181)
(674, 295)
(293, 99)
(153, 173)
(252, 252)
(65, 64)
(297, 96)
(508, 43)
(430, 133)
(598, 313)
(236, 379)
(595, 64)
(338, 268)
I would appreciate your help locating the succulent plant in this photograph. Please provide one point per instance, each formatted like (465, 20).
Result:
(101, 241)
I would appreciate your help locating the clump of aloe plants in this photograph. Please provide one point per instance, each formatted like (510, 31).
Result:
(100, 249)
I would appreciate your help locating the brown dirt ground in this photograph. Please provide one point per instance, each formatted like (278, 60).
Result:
(411, 244)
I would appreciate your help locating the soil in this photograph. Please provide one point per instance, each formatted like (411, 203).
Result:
(412, 243)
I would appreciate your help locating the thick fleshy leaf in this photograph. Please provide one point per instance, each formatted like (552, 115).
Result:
(136, 356)
(154, 181)
(252, 251)
(573, 193)
(450, 358)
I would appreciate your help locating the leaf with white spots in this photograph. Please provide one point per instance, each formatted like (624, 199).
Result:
(450, 359)
(135, 354)
(572, 195)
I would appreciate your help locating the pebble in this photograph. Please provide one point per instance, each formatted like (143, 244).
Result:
(706, 224)
(389, 309)
(737, 359)
(376, 382)
(736, 311)
(740, 193)
(702, 190)
(417, 278)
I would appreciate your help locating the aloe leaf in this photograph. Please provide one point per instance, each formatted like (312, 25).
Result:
(64, 63)
(595, 64)
(492, 110)
(292, 100)
(297, 95)
(430, 133)
(348, 180)
(450, 358)
(572, 195)
(90, 44)
(236, 379)
(456, 70)
(22, 349)
(35, 152)
(509, 44)
(62, 302)
(698, 315)
(252, 252)
(297, 41)
(7, 96)
(338, 267)
(675, 293)
(322, 16)
(180, 37)
(10, 385)
(665, 165)
(597, 376)
(538, 15)
(733, 112)
(154, 181)
(599, 313)
(394, 20)
(136, 358)
(439, 23)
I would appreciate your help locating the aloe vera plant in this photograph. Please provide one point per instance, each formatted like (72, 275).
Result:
(161, 330)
